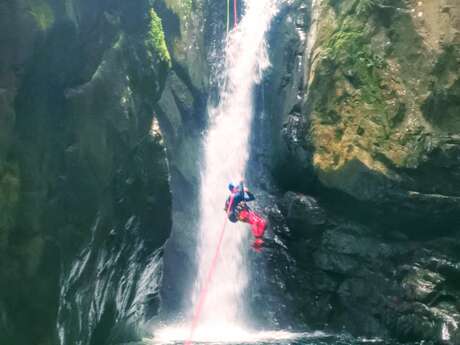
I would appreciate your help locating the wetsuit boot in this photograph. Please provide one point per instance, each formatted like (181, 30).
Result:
(258, 226)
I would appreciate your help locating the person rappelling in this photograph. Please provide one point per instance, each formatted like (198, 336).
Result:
(238, 210)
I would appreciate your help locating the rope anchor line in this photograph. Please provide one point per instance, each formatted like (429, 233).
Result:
(204, 291)
(235, 14)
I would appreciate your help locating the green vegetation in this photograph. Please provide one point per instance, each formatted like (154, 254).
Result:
(349, 48)
(42, 13)
(353, 97)
(155, 40)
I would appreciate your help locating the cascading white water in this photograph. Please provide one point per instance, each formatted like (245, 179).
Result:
(226, 155)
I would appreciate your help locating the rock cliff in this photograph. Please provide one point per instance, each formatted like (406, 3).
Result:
(84, 193)
(367, 162)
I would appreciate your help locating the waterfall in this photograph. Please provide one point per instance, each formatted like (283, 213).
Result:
(225, 157)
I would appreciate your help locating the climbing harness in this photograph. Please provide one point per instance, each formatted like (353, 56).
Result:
(204, 291)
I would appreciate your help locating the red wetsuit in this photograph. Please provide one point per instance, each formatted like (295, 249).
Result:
(240, 211)
(258, 224)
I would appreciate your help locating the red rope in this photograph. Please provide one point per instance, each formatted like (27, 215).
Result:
(235, 12)
(207, 282)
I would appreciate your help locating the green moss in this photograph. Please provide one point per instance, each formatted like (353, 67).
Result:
(42, 13)
(155, 41)
(349, 54)
(349, 49)
(342, 40)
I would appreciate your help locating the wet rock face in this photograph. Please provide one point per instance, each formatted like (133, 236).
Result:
(302, 211)
(191, 32)
(366, 279)
(366, 175)
(83, 171)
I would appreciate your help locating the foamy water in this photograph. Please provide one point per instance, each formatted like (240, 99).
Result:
(224, 334)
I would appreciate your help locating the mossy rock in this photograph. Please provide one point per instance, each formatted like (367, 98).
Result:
(155, 40)
(360, 105)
